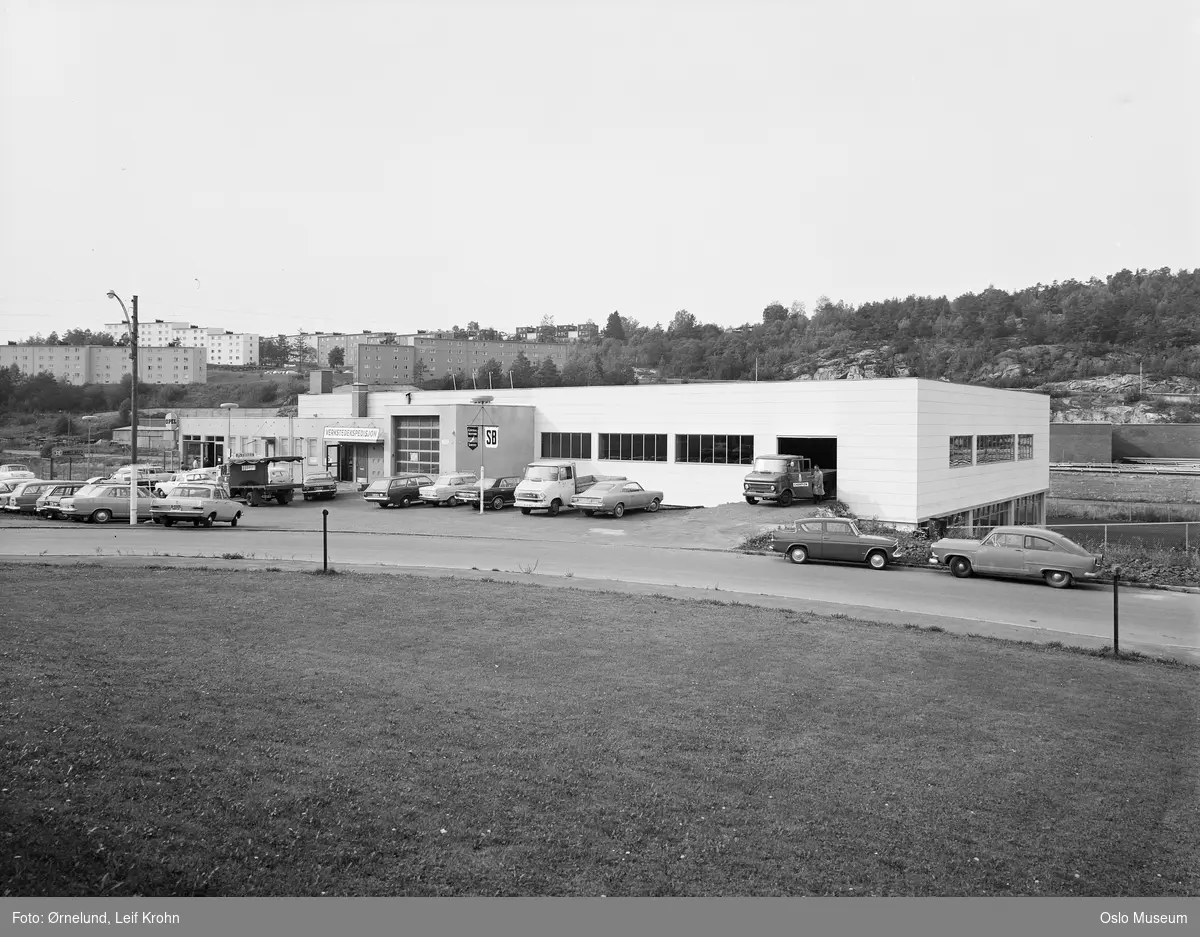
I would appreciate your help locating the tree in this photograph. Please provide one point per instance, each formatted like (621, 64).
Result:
(614, 327)
(547, 374)
(683, 324)
(337, 356)
(86, 337)
(491, 374)
(274, 351)
(774, 313)
(521, 371)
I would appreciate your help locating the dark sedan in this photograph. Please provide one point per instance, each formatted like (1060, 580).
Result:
(319, 485)
(497, 492)
(833, 538)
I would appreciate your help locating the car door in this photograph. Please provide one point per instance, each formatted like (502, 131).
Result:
(839, 542)
(634, 496)
(1001, 553)
(1038, 554)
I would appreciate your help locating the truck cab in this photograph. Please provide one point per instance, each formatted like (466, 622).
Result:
(783, 478)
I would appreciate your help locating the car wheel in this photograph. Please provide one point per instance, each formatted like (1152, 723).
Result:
(233, 521)
(786, 498)
(168, 521)
(526, 510)
(450, 502)
(877, 559)
(210, 520)
(798, 554)
(380, 505)
(750, 500)
(554, 506)
(102, 516)
(618, 510)
(652, 506)
(1056, 579)
(497, 503)
(308, 497)
(196, 522)
(588, 512)
(961, 567)
(405, 501)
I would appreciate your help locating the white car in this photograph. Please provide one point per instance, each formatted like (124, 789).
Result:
(15, 472)
(445, 488)
(204, 476)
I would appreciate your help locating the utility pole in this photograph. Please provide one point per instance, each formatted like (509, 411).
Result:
(133, 388)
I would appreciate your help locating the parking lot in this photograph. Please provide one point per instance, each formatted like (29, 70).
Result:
(720, 528)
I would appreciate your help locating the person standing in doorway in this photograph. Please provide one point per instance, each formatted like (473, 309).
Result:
(195, 463)
(818, 483)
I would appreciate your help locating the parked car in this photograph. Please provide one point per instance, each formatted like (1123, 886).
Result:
(105, 501)
(6, 488)
(396, 491)
(1021, 552)
(23, 498)
(497, 492)
(48, 503)
(833, 538)
(197, 504)
(445, 488)
(319, 485)
(209, 476)
(15, 472)
(149, 475)
(615, 498)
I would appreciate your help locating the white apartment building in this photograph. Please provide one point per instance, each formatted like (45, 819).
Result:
(107, 364)
(223, 346)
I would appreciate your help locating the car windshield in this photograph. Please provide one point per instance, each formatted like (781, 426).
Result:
(380, 484)
(488, 483)
(320, 477)
(769, 466)
(193, 492)
(443, 480)
(541, 473)
(601, 487)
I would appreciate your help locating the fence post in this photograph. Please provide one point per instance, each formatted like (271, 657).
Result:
(1116, 613)
(325, 538)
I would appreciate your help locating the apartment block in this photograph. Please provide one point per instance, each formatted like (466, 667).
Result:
(107, 364)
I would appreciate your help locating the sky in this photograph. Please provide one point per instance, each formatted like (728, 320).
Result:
(346, 165)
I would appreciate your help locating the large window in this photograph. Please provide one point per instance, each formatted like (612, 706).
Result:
(714, 450)
(993, 449)
(566, 445)
(1028, 510)
(1025, 446)
(418, 444)
(960, 451)
(990, 515)
(633, 447)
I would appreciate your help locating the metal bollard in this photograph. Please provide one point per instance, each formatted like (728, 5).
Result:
(325, 538)
(1116, 612)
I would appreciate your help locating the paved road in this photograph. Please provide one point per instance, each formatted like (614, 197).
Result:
(579, 551)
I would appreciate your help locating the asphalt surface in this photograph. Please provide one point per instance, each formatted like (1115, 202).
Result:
(685, 553)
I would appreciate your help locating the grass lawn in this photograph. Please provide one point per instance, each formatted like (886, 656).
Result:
(179, 732)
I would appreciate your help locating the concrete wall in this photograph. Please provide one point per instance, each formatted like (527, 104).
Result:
(1156, 441)
(1081, 442)
(1125, 486)
(946, 410)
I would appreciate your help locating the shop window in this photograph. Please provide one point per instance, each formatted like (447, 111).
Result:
(993, 449)
(566, 445)
(961, 453)
(632, 447)
(722, 449)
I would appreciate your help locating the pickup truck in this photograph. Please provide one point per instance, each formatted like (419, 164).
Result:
(783, 478)
(255, 479)
(550, 484)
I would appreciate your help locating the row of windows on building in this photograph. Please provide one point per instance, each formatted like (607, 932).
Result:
(703, 448)
(981, 450)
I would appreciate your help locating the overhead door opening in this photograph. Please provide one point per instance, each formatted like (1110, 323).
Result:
(821, 450)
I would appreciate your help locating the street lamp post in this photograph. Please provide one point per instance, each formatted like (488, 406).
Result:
(228, 408)
(132, 322)
(88, 420)
(483, 402)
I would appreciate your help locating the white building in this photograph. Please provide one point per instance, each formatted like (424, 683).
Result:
(223, 347)
(107, 364)
(904, 450)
